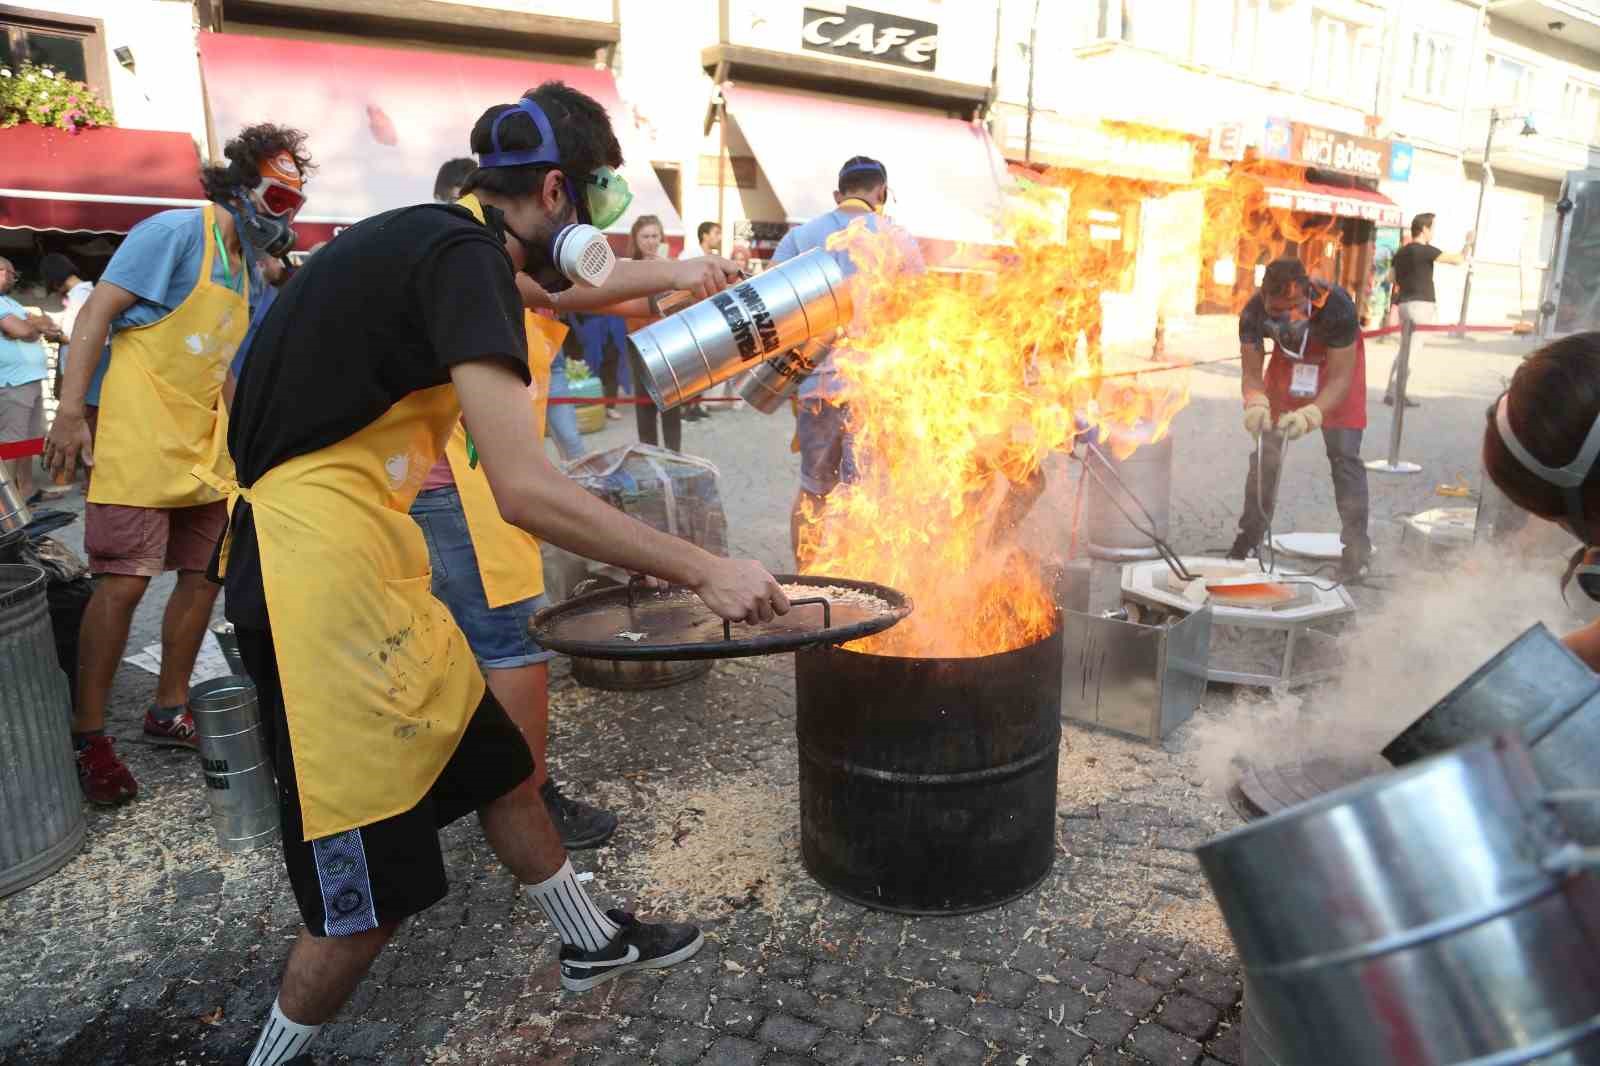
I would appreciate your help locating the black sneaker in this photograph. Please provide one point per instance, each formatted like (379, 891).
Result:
(581, 825)
(1352, 570)
(638, 946)
(1243, 547)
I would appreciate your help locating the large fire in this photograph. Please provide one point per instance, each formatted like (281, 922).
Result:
(961, 383)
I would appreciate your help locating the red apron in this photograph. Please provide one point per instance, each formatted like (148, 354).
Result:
(1351, 414)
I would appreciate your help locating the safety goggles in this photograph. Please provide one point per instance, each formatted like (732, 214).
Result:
(605, 194)
(277, 198)
(1569, 479)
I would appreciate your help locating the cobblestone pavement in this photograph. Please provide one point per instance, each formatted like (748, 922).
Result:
(152, 947)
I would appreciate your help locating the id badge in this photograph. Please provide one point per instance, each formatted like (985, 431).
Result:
(1303, 385)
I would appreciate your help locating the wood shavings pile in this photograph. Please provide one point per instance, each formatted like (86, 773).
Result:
(1197, 922)
(839, 594)
(1095, 767)
(718, 849)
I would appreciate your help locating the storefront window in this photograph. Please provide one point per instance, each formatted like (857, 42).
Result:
(1433, 59)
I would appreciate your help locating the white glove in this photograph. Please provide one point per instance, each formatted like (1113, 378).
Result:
(1257, 415)
(1302, 420)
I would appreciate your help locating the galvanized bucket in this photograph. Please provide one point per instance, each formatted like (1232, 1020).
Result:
(1422, 918)
(771, 382)
(719, 337)
(41, 807)
(228, 641)
(240, 785)
(1545, 693)
(14, 513)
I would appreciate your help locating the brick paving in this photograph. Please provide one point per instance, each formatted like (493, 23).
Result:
(152, 947)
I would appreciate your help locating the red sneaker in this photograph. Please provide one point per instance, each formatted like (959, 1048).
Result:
(174, 732)
(101, 774)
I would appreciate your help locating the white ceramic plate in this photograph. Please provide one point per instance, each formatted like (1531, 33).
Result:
(1309, 545)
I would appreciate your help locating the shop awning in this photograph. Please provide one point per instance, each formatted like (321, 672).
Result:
(380, 121)
(102, 180)
(944, 173)
(1313, 198)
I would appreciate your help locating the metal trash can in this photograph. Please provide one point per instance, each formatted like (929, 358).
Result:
(41, 807)
(233, 756)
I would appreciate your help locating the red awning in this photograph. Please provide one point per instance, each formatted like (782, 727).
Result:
(102, 180)
(1313, 198)
(380, 121)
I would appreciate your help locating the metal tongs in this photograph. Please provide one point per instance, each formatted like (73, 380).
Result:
(1148, 531)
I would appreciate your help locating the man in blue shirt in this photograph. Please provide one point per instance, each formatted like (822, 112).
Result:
(22, 373)
(822, 422)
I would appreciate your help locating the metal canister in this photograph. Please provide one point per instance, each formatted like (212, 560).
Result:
(228, 641)
(13, 508)
(770, 382)
(718, 338)
(240, 785)
(41, 805)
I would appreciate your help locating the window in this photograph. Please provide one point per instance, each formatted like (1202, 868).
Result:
(1580, 111)
(1510, 84)
(1433, 66)
(75, 47)
(1227, 34)
(1344, 59)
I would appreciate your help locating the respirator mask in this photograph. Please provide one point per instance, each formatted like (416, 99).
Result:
(1585, 564)
(267, 209)
(1291, 332)
(578, 252)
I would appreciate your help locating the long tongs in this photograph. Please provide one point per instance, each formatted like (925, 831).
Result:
(1148, 531)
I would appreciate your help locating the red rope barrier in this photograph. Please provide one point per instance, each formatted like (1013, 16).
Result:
(21, 449)
(584, 401)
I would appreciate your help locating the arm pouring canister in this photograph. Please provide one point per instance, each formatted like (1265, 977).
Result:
(737, 329)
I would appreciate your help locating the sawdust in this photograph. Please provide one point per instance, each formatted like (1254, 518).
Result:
(1196, 921)
(720, 848)
(854, 597)
(1095, 767)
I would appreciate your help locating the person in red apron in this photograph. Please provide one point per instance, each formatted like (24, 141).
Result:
(146, 407)
(376, 716)
(1316, 380)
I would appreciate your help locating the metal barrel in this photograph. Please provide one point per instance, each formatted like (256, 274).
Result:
(928, 786)
(233, 757)
(41, 807)
(771, 381)
(686, 353)
(1417, 917)
(1538, 688)
(13, 508)
(228, 641)
(1146, 476)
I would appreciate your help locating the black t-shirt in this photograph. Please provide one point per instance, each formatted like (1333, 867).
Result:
(1335, 323)
(1413, 272)
(385, 310)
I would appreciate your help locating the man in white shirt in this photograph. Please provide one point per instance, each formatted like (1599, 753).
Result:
(62, 279)
(709, 234)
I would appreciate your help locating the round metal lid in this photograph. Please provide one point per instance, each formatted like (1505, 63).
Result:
(633, 622)
(1267, 788)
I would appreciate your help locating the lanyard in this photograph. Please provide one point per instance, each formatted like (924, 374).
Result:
(227, 274)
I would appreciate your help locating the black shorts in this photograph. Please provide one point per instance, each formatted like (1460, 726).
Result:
(389, 870)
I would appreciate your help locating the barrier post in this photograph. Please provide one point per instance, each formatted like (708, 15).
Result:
(1393, 464)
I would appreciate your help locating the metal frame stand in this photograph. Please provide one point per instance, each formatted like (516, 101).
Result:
(1393, 464)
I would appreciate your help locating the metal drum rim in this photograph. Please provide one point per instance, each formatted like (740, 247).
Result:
(936, 660)
(31, 583)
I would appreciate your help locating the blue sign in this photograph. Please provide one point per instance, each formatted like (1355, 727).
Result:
(1400, 158)
(1277, 141)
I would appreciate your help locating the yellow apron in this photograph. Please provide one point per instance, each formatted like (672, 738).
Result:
(508, 557)
(161, 410)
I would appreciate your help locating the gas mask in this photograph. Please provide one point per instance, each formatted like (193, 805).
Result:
(267, 234)
(577, 252)
(1585, 564)
(267, 208)
(1291, 331)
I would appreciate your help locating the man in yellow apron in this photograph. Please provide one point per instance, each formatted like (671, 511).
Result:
(490, 574)
(378, 720)
(174, 301)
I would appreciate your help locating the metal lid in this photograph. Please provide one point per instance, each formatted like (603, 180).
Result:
(632, 622)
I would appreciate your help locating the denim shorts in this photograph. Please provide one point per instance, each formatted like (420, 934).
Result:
(498, 636)
(827, 454)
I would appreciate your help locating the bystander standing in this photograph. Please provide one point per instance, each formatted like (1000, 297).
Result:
(1412, 272)
(23, 368)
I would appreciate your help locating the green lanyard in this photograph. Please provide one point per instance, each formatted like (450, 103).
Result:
(227, 274)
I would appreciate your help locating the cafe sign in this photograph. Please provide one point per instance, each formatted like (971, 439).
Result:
(1325, 149)
(870, 35)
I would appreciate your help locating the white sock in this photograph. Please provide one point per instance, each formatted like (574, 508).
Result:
(581, 924)
(281, 1039)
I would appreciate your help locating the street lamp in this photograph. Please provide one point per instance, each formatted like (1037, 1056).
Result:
(1528, 130)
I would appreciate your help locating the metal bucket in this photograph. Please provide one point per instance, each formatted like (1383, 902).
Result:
(928, 786)
(13, 508)
(1417, 919)
(1260, 1047)
(1542, 691)
(41, 807)
(684, 354)
(771, 382)
(1146, 475)
(228, 641)
(233, 757)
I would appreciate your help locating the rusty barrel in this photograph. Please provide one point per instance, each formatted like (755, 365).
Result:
(240, 785)
(928, 786)
(41, 807)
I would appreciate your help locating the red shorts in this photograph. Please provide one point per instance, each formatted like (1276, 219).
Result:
(148, 541)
